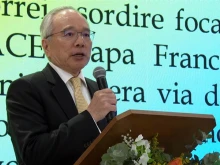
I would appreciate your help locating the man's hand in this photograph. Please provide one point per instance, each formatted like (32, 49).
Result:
(102, 103)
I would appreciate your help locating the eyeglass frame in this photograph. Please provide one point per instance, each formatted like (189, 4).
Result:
(91, 33)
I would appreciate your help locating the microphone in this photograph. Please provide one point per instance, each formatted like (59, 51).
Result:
(99, 73)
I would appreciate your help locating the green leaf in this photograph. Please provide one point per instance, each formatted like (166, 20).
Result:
(128, 162)
(167, 157)
(116, 155)
(198, 141)
(203, 134)
(106, 157)
(217, 162)
(108, 162)
(119, 152)
(132, 155)
(211, 158)
(140, 150)
(209, 136)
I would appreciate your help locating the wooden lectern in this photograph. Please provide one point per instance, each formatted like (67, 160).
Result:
(175, 131)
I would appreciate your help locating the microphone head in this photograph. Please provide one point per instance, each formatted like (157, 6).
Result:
(99, 72)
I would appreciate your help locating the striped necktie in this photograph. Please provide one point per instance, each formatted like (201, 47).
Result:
(80, 101)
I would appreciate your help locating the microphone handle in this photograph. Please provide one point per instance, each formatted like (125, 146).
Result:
(102, 84)
(110, 116)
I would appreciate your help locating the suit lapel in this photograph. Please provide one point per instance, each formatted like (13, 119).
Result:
(92, 86)
(60, 92)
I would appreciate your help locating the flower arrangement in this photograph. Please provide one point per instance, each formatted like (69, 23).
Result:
(140, 151)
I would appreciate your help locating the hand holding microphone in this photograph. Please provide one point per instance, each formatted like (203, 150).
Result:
(103, 103)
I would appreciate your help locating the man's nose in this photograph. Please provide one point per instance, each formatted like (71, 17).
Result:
(79, 40)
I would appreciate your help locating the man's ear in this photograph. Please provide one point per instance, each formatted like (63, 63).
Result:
(45, 45)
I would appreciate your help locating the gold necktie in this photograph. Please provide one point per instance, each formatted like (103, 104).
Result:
(80, 101)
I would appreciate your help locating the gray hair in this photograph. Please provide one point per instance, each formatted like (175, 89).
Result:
(46, 26)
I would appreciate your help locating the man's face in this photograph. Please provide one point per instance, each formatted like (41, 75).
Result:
(63, 50)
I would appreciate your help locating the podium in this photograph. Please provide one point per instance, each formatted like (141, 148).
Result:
(175, 131)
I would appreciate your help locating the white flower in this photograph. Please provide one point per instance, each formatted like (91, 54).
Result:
(147, 146)
(135, 162)
(140, 137)
(134, 148)
(144, 159)
(147, 150)
(141, 143)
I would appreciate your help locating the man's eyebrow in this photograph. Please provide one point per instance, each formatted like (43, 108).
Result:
(73, 28)
(68, 28)
(86, 29)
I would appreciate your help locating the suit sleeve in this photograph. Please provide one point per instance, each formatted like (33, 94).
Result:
(34, 142)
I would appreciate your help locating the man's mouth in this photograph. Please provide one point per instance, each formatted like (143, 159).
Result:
(79, 54)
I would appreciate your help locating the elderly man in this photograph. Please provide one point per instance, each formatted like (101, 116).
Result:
(51, 121)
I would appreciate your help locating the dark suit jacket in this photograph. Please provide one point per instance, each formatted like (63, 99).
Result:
(43, 121)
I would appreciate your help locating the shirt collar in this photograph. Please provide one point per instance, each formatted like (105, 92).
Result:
(65, 76)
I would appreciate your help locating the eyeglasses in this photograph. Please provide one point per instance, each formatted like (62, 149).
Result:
(72, 35)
